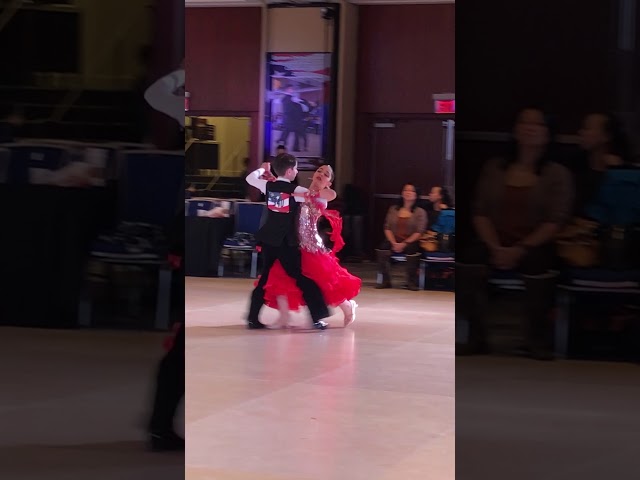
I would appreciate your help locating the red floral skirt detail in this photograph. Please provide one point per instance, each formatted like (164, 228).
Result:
(335, 282)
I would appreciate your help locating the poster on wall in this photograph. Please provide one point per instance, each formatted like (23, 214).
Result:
(298, 100)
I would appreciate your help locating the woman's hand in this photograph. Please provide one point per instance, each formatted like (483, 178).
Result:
(398, 247)
(507, 258)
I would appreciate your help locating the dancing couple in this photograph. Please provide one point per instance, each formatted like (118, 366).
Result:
(298, 269)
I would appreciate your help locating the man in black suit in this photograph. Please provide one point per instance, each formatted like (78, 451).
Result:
(293, 117)
(278, 238)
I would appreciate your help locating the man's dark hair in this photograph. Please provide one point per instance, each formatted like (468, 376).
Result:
(281, 147)
(282, 163)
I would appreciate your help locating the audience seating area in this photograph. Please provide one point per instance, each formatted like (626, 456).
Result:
(247, 217)
(440, 265)
(150, 188)
(148, 185)
(604, 286)
(615, 281)
(143, 176)
(436, 268)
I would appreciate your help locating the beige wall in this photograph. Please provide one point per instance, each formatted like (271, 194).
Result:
(304, 30)
(232, 135)
(111, 38)
(298, 30)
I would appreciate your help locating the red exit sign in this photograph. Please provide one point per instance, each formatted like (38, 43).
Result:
(445, 106)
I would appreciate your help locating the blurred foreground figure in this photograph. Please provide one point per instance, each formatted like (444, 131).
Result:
(164, 96)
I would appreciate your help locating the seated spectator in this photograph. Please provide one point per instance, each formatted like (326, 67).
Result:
(603, 145)
(522, 202)
(403, 227)
(600, 199)
(439, 199)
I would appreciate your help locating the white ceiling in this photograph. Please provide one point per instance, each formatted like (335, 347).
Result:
(251, 3)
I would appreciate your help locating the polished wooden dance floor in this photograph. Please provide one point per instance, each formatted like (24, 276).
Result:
(374, 401)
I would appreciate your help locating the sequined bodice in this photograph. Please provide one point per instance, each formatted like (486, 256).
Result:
(310, 213)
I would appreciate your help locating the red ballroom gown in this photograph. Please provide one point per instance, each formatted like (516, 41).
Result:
(318, 262)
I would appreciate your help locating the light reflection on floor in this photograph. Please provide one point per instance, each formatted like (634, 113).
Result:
(372, 401)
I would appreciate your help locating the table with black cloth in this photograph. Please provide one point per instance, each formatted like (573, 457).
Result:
(45, 242)
(204, 237)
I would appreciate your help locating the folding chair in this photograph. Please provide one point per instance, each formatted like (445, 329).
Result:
(247, 223)
(150, 189)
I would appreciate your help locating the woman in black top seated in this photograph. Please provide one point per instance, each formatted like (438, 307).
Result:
(603, 145)
(439, 199)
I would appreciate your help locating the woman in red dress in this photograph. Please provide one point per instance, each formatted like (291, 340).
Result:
(319, 263)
